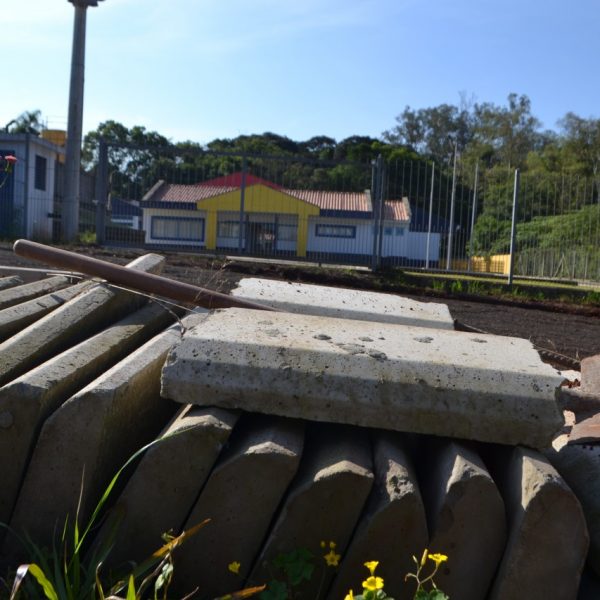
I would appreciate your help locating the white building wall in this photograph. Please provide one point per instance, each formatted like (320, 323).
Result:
(41, 201)
(32, 207)
(148, 213)
(361, 243)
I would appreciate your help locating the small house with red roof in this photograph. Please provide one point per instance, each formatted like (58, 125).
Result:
(243, 212)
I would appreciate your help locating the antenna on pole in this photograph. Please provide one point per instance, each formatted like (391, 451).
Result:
(70, 201)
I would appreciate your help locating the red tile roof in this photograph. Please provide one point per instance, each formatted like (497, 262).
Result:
(235, 180)
(396, 210)
(351, 202)
(175, 192)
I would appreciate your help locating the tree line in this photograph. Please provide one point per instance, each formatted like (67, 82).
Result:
(497, 138)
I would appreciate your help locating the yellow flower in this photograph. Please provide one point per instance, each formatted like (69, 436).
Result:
(373, 583)
(332, 545)
(372, 565)
(234, 567)
(349, 596)
(438, 558)
(332, 559)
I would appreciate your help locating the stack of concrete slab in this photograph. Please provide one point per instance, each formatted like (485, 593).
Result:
(356, 419)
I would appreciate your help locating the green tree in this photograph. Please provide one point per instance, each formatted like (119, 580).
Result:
(29, 121)
(433, 132)
(505, 134)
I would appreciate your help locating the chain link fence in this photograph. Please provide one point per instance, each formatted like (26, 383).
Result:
(455, 216)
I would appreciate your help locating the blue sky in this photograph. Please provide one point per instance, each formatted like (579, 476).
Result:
(201, 69)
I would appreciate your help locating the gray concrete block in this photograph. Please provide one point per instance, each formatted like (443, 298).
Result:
(466, 517)
(27, 401)
(547, 540)
(392, 527)
(343, 303)
(165, 485)
(16, 318)
(10, 281)
(23, 293)
(240, 497)
(324, 502)
(75, 320)
(444, 383)
(94, 432)
(579, 465)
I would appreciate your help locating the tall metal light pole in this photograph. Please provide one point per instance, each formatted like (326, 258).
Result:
(70, 202)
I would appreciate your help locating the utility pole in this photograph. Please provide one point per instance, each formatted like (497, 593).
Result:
(70, 202)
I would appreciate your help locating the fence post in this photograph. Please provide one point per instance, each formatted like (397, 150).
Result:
(377, 205)
(242, 203)
(513, 228)
(473, 212)
(430, 217)
(101, 191)
(381, 190)
(452, 201)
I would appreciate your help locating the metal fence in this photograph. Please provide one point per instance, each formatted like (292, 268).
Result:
(454, 216)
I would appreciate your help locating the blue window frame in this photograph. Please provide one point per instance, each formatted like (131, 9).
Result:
(335, 231)
(183, 229)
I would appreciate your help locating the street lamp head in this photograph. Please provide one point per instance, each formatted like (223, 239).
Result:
(85, 3)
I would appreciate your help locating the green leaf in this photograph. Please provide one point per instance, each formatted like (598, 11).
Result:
(437, 595)
(164, 578)
(43, 581)
(276, 590)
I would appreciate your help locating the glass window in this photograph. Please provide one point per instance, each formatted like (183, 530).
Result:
(287, 233)
(399, 230)
(40, 172)
(339, 231)
(228, 229)
(177, 229)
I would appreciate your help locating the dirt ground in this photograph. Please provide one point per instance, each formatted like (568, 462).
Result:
(557, 328)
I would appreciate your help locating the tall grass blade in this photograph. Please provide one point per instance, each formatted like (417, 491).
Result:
(44, 583)
(131, 589)
(110, 487)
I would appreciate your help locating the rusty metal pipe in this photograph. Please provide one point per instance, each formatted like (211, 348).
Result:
(130, 278)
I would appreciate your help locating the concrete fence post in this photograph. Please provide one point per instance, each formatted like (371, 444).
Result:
(101, 191)
(513, 228)
(242, 203)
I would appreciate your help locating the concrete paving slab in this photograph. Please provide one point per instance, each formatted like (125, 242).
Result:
(240, 497)
(392, 527)
(586, 431)
(27, 401)
(80, 317)
(466, 517)
(27, 291)
(95, 431)
(10, 281)
(324, 502)
(590, 375)
(387, 376)
(579, 465)
(548, 540)
(16, 318)
(343, 303)
(165, 485)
